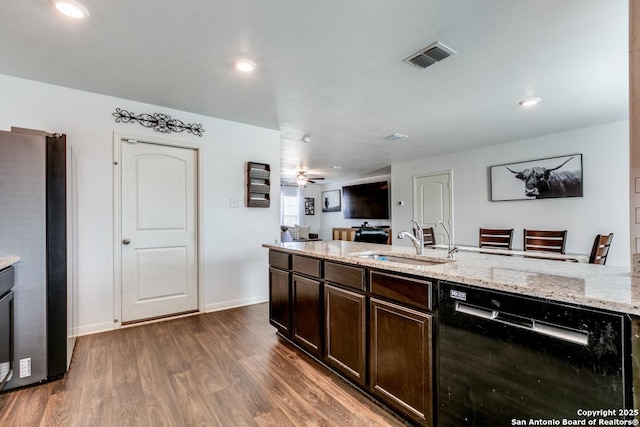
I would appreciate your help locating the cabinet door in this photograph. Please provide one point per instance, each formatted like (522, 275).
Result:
(345, 313)
(279, 300)
(401, 372)
(307, 313)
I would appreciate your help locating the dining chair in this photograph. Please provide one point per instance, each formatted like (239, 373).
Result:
(496, 238)
(600, 249)
(429, 235)
(545, 240)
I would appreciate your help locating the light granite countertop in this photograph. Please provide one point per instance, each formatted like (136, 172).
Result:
(8, 261)
(597, 286)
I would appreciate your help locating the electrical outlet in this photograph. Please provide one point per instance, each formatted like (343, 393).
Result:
(25, 367)
(234, 203)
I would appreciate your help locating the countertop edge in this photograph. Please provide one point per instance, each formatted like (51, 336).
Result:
(8, 261)
(548, 286)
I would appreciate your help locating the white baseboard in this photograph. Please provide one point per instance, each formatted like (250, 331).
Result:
(108, 326)
(235, 303)
(96, 328)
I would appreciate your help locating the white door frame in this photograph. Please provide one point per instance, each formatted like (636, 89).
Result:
(425, 175)
(117, 219)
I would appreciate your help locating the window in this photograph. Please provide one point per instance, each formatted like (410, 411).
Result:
(290, 207)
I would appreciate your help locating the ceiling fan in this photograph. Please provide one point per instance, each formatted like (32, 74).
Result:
(302, 179)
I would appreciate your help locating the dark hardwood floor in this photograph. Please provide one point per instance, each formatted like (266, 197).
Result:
(226, 368)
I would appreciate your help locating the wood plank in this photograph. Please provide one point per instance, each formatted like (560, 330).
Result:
(215, 369)
(275, 418)
(61, 408)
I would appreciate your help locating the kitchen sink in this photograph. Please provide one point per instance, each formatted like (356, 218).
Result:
(408, 259)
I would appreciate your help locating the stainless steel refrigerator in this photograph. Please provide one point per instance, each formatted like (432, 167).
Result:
(38, 224)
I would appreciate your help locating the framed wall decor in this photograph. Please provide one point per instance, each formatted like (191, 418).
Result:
(309, 206)
(548, 178)
(331, 201)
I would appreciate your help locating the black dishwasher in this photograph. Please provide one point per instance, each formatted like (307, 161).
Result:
(504, 358)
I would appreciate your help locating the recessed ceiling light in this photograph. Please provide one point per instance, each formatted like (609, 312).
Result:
(245, 65)
(336, 167)
(306, 138)
(70, 8)
(529, 102)
(395, 137)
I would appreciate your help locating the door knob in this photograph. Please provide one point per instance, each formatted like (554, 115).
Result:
(126, 241)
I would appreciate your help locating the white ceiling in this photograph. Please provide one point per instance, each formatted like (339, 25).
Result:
(334, 70)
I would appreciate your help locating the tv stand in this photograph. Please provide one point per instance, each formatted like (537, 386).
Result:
(349, 233)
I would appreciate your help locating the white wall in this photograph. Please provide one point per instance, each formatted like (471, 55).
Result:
(323, 222)
(603, 209)
(234, 263)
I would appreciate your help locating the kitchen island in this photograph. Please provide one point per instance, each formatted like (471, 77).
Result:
(371, 312)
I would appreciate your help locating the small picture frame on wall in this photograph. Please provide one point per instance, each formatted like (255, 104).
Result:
(331, 201)
(309, 206)
(553, 177)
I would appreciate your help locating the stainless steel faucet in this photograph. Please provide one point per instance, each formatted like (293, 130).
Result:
(452, 249)
(417, 243)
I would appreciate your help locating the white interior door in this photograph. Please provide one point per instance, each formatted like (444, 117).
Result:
(432, 203)
(159, 235)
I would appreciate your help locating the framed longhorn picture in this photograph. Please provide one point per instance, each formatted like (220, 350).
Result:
(548, 178)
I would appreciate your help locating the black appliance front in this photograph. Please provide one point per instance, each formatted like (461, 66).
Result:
(504, 358)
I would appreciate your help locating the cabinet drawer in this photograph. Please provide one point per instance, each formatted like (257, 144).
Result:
(306, 265)
(279, 260)
(412, 292)
(341, 274)
(6, 280)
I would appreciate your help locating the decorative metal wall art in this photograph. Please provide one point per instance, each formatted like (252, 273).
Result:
(159, 122)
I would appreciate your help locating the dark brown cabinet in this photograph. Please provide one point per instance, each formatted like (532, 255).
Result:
(400, 355)
(307, 316)
(280, 299)
(280, 291)
(345, 333)
(373, 327)
(400, 359)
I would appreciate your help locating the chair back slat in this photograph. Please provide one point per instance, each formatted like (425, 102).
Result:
(429, 235)
(545, 240)
(600, 249)
(496, 238)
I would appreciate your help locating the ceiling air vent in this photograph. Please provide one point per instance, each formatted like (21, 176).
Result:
(429, 55)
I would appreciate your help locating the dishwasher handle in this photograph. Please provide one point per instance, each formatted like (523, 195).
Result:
(544, 328)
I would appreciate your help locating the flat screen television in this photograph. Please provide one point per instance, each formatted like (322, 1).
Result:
(366, 201)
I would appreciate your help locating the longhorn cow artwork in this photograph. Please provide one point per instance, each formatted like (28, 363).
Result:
(543, 179)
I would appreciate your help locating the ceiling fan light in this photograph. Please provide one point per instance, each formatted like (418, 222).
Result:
(70, 8)
(302, 179)
(529, 102)
(245, 65)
